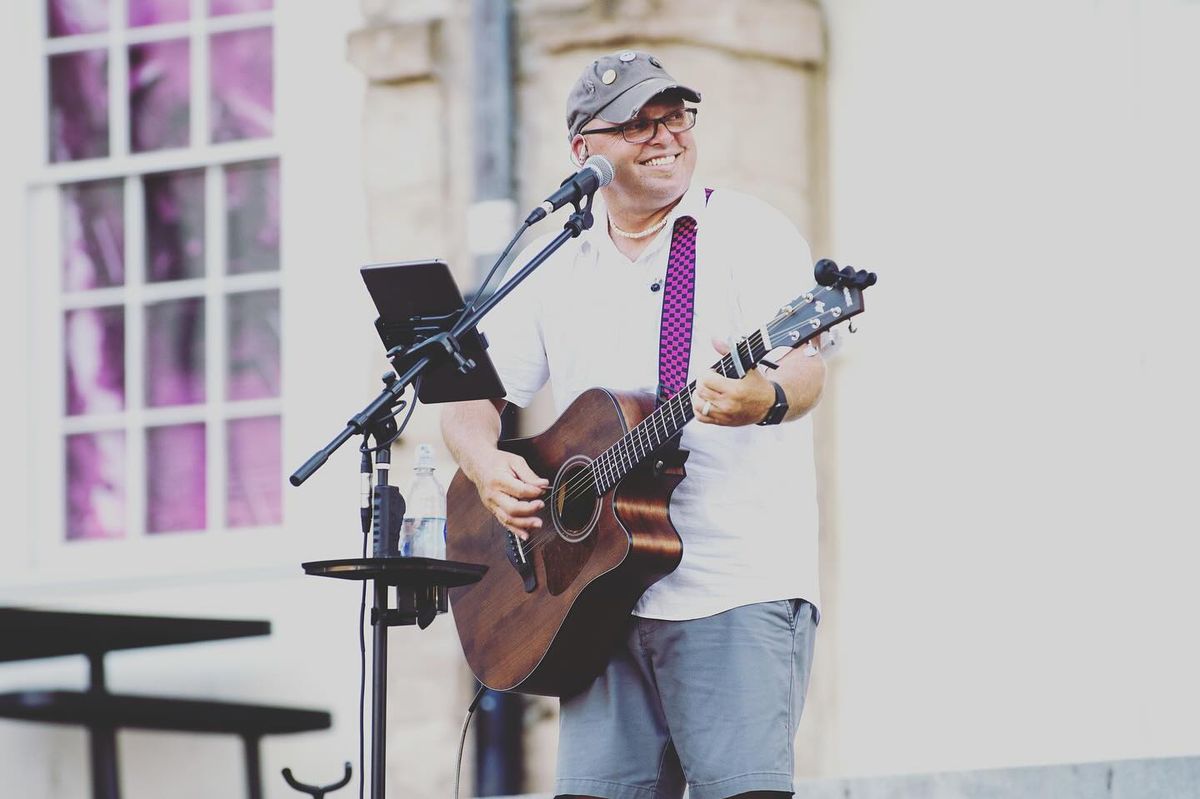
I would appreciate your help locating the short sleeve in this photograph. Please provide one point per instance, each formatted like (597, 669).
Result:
(773, 264)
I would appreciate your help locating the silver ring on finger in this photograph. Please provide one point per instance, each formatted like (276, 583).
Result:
(707, 407)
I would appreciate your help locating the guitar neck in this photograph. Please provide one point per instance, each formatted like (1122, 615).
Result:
(837, 298)
(661, 426)
(806, 317)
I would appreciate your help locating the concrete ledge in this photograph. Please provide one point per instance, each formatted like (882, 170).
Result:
(795, 35)
(1160, 778)
(393, 53)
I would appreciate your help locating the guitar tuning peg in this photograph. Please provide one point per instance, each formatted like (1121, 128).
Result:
(826, 272)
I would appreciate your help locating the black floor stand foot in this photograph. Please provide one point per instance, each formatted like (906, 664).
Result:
(313, 790)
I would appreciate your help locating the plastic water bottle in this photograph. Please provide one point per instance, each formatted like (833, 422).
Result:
(424, 531)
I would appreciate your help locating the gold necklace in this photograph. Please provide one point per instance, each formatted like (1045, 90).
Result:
(641, 234)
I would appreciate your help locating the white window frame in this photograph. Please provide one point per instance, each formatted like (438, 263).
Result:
(139, 554)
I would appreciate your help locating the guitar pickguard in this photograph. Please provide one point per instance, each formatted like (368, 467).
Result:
(563, 561)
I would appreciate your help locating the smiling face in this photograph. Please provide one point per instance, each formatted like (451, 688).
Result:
(647, 176)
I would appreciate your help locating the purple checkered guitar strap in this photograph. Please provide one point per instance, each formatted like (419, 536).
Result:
(679, 300)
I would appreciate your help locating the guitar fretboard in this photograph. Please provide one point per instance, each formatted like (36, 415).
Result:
(661, 426)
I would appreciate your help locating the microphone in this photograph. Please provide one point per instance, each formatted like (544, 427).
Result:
(596, 173)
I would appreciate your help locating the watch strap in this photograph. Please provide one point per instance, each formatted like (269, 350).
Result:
(777, 411)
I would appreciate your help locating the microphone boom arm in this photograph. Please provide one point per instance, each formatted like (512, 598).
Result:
(421, 357)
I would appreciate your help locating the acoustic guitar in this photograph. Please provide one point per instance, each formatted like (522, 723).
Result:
(549, 611)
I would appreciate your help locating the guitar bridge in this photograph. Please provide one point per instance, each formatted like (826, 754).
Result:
(519, 557)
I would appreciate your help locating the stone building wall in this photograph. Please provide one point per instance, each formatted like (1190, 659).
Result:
(758, 65)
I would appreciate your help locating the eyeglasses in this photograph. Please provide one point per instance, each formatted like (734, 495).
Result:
(639, 131)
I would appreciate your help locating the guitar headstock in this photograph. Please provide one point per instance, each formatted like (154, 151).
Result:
(837, 297)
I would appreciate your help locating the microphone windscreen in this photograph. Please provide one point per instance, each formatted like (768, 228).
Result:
(603, 167)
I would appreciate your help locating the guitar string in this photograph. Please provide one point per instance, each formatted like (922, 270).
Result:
(650, 423)
(640, 437)
(641, 433)
(644, 433)
(650, 434)
(581, 483)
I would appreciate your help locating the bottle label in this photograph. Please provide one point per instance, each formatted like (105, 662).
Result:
(424, 537)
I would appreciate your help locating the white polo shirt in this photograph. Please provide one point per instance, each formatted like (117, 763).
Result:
(587, 317)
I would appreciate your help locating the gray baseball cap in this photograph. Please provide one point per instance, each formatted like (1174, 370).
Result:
(616, 86)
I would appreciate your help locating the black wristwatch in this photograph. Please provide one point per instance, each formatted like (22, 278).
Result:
(779, 409)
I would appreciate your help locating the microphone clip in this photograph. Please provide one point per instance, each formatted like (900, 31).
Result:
(581, 218)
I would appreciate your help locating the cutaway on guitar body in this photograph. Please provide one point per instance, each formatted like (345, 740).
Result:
(545, 617)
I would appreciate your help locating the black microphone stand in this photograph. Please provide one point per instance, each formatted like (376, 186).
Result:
(424, 579)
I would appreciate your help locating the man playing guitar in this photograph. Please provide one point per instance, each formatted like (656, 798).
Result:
(707, 687)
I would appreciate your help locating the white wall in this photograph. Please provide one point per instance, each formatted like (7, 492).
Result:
(1017, 418)
(330, 370)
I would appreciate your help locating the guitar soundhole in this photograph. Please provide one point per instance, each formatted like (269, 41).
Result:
(575, 507)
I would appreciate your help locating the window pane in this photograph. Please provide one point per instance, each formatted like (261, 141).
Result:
(252, 221)
(69, 17)
(154, 12)
(175, 352)
(93, 236)
(96, 485)
(243, 96)
(175, 478)
(174, 225)
(219, 7)
(159, 86)
(79, 105)
(255, 484)
(253, 364)
(94, 342)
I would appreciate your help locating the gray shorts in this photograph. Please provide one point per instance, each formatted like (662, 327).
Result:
(712, 703)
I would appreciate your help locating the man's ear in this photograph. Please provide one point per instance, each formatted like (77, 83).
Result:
(579, 152)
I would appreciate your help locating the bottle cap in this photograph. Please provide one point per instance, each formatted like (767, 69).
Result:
(425, 457)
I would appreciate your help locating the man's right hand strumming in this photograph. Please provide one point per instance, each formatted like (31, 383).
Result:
(510, 490)
(506, 485)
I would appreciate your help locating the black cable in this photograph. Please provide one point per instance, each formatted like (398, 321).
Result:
(462, 741)
(488, 279)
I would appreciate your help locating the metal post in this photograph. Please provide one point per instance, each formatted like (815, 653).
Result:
(250, 745)
(379, 693)
(102, 739)
(492, 215)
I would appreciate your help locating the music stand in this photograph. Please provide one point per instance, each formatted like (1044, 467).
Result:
(419, 305)
(418, 300)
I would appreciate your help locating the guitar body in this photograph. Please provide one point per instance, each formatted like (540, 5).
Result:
(545, 618)
(552, 630)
